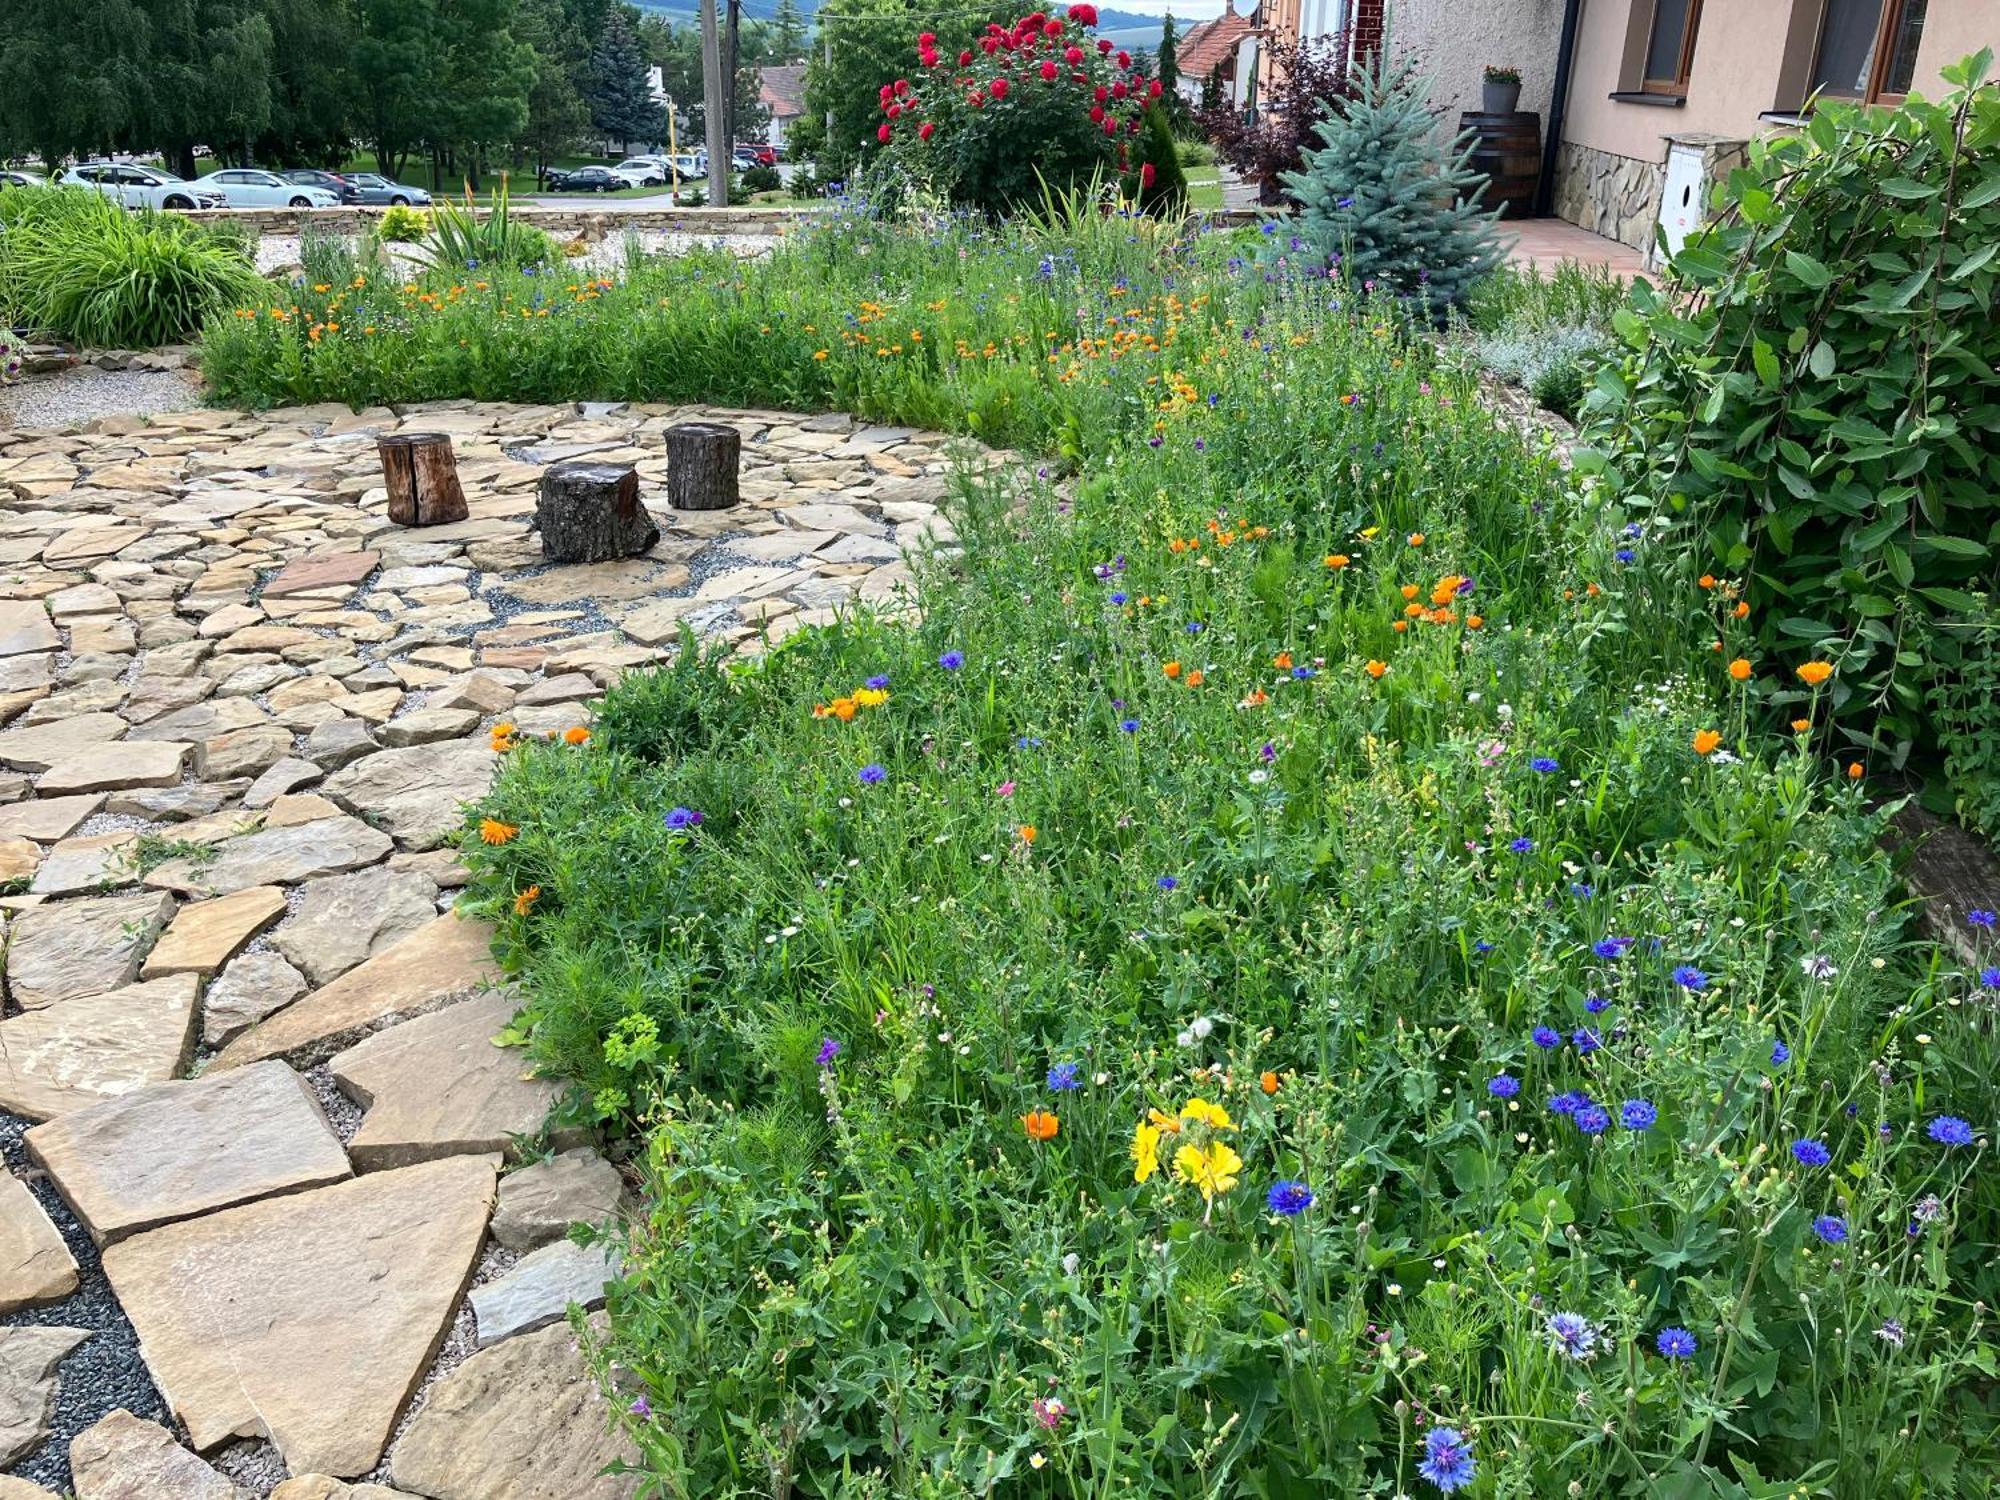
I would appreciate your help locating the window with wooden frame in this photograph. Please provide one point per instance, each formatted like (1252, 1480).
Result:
(1670, 46)
(1868, 49)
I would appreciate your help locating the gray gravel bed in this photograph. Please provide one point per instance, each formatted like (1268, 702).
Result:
(105, 1371)
(76, 396)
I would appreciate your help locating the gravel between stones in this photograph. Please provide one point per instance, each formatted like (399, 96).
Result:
(76, 396)
(105, 1371)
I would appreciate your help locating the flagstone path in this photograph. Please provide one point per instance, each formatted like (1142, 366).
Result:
(254, 1121)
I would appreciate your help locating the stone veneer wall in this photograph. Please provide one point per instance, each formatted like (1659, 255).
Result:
(1615, 196)
(590, 223)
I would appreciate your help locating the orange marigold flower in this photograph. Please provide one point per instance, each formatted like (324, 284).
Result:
(1854, 770)
(1740, 669)
(526, 900)
(1592, 590)
(1409, 591)
(493, 831)
(1813, 673)
(1416, 539)
(503, 731)
(1026, 832)
(1375, 669)
(1413, 610)
(1800, 726)
(1474, 622)
(1401, 627)
(1256, 698)
(1337, 560)
(843, 709)
(1282, 661)
(1197, 677)
(1172, 669)
(1706, 741)
(1706, 581)
(1041, 1124)
(576, 734)
(1268, 1081)
(1742, 611)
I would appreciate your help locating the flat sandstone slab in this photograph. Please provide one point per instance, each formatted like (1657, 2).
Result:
(309, 1318)
(175, 1150)
(35, 1265)
(98, 1047)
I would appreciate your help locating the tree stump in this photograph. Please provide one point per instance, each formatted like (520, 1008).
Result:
(422, 476)
(701, 465)
(591, 513)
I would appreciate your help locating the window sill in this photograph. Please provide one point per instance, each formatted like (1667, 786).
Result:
(1640, 96)
(1785, 117)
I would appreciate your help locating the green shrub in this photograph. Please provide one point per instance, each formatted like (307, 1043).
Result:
(94, 273)
(1964, 698)
(1196, 152)
(1383, 198)
(461, 238)
(404, 224)
(1166, 194)
(1568, 295)
(1816, 397)
(1553, 364)
(761, 178)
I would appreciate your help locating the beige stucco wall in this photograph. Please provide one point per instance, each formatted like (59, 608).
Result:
(1454, 40)
(1737, 56)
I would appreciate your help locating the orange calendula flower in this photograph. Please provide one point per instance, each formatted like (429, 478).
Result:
(1706, 581)
(1800, 726)
(1282, 661)
(576, 734)
(1740, 669)
(1416, 539)
(1474, 622)
(1026, 833)
(1041, 1124)
(1255, 698)
(1409, 591)
(1337, 560)
(493, 831)
(1196, 678)
(1706, 741)
(1268, 1081)
(1854, 770)
(1375, 669)
(1172, 669)
(526, 900)
(843, 709)
(1742, 611)
(1813, 673)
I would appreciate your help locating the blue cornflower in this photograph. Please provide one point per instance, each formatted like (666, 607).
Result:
(1130, 726)
(1289, 1198)
(871, 774)
(1625, 554)
(1572, 1335)
(1831, 1228)
(1301, 673)
(1447, 1461)
(1984, 919)
(1545, 764)
(879, 681)
(1063, 1079)
(1597, 1005)
(951, 661)
(1522, 846)
(1690, 978)
(1028, 742)
(1989, 978)
(1611, 947)
(1675, 1343)
(682, 817)
(1482, 946)
(1950, 1130)
(1585, 1040)
(1811, 1153)
(1501, 1086)
(1166, 882)
(829, 1049)
(1637, 1114)
(1780, 1054)
(1119, 597)
(1195, 627)
(1581, 891)
(1268, 752)
(1593, 1119)
(1569, 1103)
(1546, 1037)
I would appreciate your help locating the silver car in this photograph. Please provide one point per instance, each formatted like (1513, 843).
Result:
(250, 187)
(375, 188)
(141, 187)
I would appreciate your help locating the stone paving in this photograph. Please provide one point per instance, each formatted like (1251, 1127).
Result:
(245, 1034)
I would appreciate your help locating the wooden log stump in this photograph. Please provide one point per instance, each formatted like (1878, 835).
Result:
(701, 465)
(422, 475)
(591, 513)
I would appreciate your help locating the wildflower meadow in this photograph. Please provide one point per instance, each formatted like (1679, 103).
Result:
(1319, 953)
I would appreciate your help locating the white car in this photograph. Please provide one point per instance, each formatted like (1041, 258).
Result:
(141, 187)
(247, 187)
(641, 171)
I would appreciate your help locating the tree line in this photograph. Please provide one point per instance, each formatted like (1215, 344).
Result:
(464, 85)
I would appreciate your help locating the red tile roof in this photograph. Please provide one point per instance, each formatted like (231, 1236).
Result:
(782, 90)
(1210, 43)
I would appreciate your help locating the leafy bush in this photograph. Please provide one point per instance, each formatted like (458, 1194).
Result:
(404, 224)
(462, 239)
(1162, 186)
(1567, 295)
(94, 273)
(1196, 152)
(1817, 396)
(1964, 656)
(1383, 199)
(761, 178)
(1039, 104)
(1312, 82)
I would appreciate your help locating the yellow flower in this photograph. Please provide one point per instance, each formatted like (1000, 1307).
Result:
(526, 900)
(869, 697)
(1145, 1151)
(1813, 673)
(1211, 1168)
(1214, 1116)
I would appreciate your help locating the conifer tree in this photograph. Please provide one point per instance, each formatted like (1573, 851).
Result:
(1393, 204)
(1167, 68)
(1164, 189)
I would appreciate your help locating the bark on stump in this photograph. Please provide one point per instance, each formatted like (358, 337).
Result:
(591, 513)
(422, 476)
(701, 465)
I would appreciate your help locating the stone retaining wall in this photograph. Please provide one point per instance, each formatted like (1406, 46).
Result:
(1615, 196)
(591, 223)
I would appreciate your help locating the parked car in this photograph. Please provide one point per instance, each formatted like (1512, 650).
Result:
(10, 178)
(251, 187)
(642, 171)
(743, 158)
(585, 180)
(142, 187)
(333, 182)
(375, 188)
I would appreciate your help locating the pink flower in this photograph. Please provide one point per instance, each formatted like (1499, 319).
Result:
(1005, 789)
(1049, 1411)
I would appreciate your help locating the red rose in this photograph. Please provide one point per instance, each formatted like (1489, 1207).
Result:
(1052, 28)
(884, 133)
(1124, 59)
(1146, 173)
(964, 57)
(925, 130)
(1153, 89)
(989, 45)
(887, 93)
(1073, 55)
(926, 38)
(1110, 126)
(1097, 114)
(1049, 71)
(1000, 87)
(902, 85)
(1100, 93)
(1083, 15)
(1118, 89)
(893, 111)
(1103, 44)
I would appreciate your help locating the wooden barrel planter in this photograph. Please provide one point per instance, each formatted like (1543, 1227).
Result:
(1507, 150)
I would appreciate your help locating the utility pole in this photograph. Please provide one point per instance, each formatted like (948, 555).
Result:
(735, 15)
(826, 38)
(712, 107)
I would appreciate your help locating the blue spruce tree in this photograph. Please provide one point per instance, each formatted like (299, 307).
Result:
(1389, 201)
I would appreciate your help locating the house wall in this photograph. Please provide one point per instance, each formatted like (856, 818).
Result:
(1454, 40)
(1749, 58)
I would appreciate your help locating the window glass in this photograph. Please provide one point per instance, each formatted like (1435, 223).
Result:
(1909, 34)
(1663, 51)
(1847, 47)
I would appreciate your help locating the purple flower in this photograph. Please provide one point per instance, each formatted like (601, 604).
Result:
(1546, 1037)
(1570, 1103)
(682, 817)
(829, 1049)
(640, 1407)
(1637, 1114)
(1831, 1228)
(1289, 1198)
(1625, 554)
(1593, 1119)
(1062, 1078)
(1585, 1040)
(1597, 1005)
(1949, 1130)
(1989, 978)
(870, 774)
(1675, 1343)
(1572, 1335)
(879, 681)
(1269, 753)
(1811, 1153)
(1501, 1086)
(1984, 919)
(1611, 947)
(1447, 1461)
(951, 661)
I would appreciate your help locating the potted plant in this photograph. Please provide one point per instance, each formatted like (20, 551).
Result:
(1502, 91)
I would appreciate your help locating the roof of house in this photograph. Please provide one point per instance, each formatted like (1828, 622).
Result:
(782, 90)
(1210, 43)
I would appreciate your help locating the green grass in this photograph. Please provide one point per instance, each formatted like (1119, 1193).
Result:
(1204, 189)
